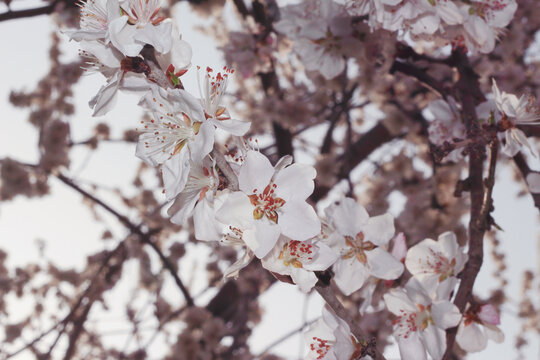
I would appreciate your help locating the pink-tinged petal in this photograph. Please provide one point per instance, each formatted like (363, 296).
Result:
(233, 270)
(175, 174)
(489, 315)
(232, 126)
(236, 211)
(295, 182)
(349, 217)
(204, 222)
(411, 348)
(383, 265)
(397, 300)
(262, 238)
(399, 249)
(434, 340)
(298, 221)
(105, 99)
(305, 280)
(350, 275)
(379, 229)
(470, 337)
(445, 314)
(494, 333)
(158, 36)
(255, 173)
(322, 259)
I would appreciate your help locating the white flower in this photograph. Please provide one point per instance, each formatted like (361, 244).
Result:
(95, 17)
(514, 112)
(177, 134)
(140, 26)
(434, 262)
(484, 20)
(330, 338)
(299, 260)
(271, 201)
(359, 240)
(212, 91)
(478, 325)
(420, 322)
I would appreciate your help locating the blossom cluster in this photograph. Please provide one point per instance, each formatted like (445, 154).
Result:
(325, 33)
(241, 199)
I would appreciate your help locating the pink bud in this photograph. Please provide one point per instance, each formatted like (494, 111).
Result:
(399, 250)
(488, 314)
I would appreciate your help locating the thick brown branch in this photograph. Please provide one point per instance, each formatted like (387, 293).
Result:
(468, 92)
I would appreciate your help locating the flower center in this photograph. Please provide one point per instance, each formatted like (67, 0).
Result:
(357, 247)
(409, 322)
(321, 347)
(437, 263)
(266, 203)
(294, 253)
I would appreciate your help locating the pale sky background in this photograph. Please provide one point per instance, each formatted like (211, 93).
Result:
(62, 220)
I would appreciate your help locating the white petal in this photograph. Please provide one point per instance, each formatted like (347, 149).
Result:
(383, 265)
(494, 333)
(489, 315)
(232, 126)
(203, 142)
(533, 180)
(349, 217)
(434, 340)
(159, 36)
(445, 314)
(175, 174)
(305, 280)
(204, 221)
(295, 182)
(350, 275)
(379, 229)
(323, 259)
(232, 271)
(411, 348)
(236, 211)
(105, 99)
(106, 55)
(183, 206)
(299, 221)
(397, 300)
(255, 173)
(262, 238)
(121, 35)
(470, 337)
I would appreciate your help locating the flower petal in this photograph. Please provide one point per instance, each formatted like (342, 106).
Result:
(255, 173)
(298, 221)
(350, 275)
(383, 265)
